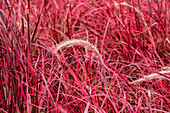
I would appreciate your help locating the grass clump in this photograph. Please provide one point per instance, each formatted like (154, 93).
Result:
(75, 56)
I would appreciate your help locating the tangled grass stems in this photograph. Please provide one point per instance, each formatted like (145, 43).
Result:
(133, 37)
(89, 46)
(145, 24)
